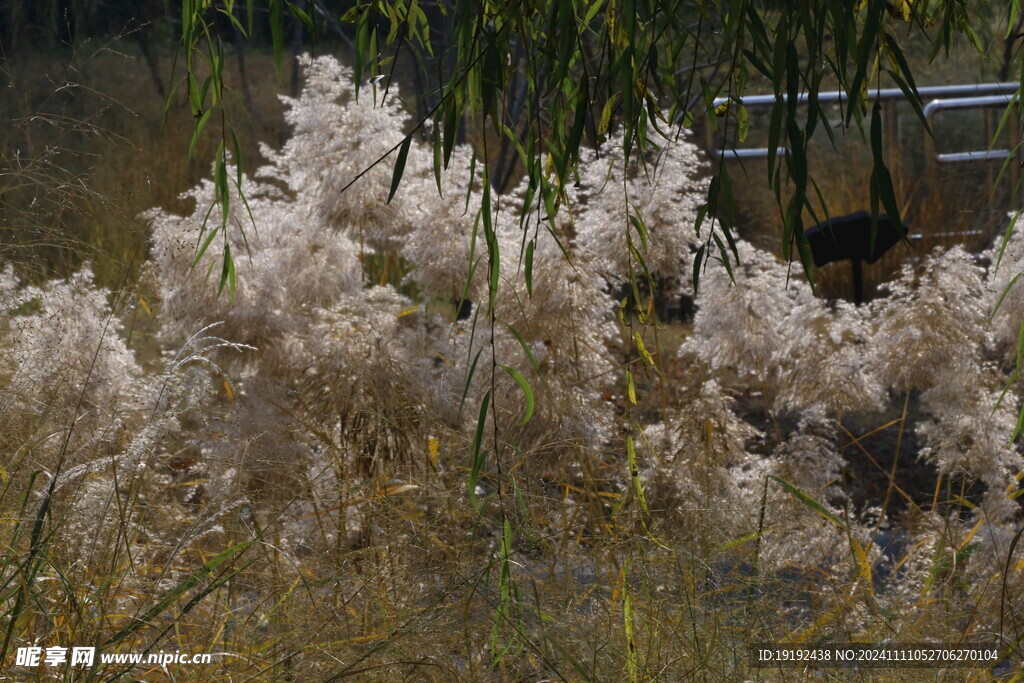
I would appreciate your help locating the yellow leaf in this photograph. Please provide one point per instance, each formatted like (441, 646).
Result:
(400, 489)
(863, 563)
(433, 448)
(642, 350)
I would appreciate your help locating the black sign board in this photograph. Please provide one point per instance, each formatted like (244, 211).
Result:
(849, 237)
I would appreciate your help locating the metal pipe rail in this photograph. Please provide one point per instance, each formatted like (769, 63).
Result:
(886, 95)
(985, 96)
(936, 106)
(946, 97)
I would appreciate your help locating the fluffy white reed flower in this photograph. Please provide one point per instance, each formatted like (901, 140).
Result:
(287, 263)
(704, 426)
(567, 321)
(745, 325)
(808, 458)
(63, 342)
(1005, 290)
(691, 458)
(440, 244)
(968, 433)
(336, 137)
(823, 360)
(930, 324)
(665, 188)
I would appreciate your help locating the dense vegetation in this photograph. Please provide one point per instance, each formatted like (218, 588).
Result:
(436, 425)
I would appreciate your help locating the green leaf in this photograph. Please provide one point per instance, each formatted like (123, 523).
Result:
(642, 350)
(188, 22)
(592, 11)
(227, 274)
(732, 244)
(881, 177)
(808, 501)
(477, 456)
(736, 542)
(173, 595)
(774, 134)
(306, 20)
(1006, 388)
(469, 380)
(437, 159)
(493, 250)
(237, 148)
(528, 269)
(396, 177)
(643, 264)
(606, 113)
(697, 262)
(449, 130)
(632, 663)
(469, 191)
(865, 54)
(905, 81)
(724, 255)
(363, 47)
(220, 183)
(197, 133)
(205, 244)
(1006, 290)
(634, 475)
(1020, 348)
(1005, 241)
(525, 347)
(641, 229)
(527, 393)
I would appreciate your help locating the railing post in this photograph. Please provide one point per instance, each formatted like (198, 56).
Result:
(930, 162)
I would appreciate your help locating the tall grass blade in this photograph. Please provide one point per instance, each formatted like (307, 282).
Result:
(173, 595)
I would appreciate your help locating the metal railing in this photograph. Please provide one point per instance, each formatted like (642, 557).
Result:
(944, 97)
(984, 97)
(987, 103)
(887, 95)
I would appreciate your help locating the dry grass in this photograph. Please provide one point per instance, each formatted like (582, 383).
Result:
(85, 153)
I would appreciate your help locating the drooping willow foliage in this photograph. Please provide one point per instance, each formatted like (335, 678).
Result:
(546, 80)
